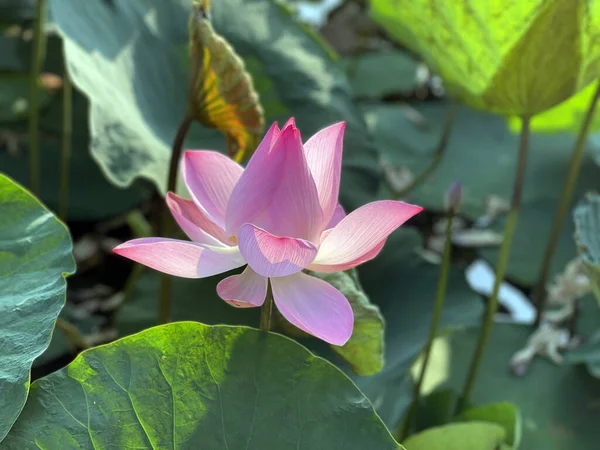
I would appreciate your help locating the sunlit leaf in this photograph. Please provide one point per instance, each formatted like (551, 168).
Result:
(587, 226)
(222, 93)
(192, 386)
(35, 256)
(509, 56)
(505, 414)
(566, 116)
(459, 436)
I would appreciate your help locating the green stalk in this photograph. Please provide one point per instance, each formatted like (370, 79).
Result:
(266, 312)
(563, 207)
(439, 152)
(165, 230)
(438, 305)
(509, 231)
(35, 94)
(72, 334)
(65, 152)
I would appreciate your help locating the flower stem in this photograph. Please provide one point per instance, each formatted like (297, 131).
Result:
(433, 329)
(72, 334)
(563, 207)
(266, 312)
(165, 220)
(439, 152)
(35, 93)
(65, 152)
(509, 231)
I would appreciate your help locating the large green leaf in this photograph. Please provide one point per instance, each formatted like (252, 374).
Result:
(587, 225)
(459, 436)
(35, 256)
(187, 385)
(557, 403)
(137, 81)
(480, 140)
(514, 57)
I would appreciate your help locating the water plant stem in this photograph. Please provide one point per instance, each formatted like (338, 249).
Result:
(266, 312)
(439, 152)
(165, 219)
(35, 94)
(563, 207)
(74, 337)
(509, 231)
(65, 151)
(440, 295)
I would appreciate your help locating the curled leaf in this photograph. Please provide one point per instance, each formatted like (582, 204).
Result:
(222, 93)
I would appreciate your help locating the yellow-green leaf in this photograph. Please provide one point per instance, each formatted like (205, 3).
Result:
(505, 414)
(189, 386)
(567, 116)
(459, 436)
(513, 57)
(222, 94)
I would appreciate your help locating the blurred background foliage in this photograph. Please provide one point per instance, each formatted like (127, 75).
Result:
(320, 62)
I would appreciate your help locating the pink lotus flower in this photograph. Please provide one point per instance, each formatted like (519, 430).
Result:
(277, 217)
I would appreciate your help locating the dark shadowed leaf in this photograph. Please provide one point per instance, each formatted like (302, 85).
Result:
(379, 74)
(587, 226)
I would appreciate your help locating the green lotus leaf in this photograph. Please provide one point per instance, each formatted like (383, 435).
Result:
(515, 57)
(35, 257)
(191, 386)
